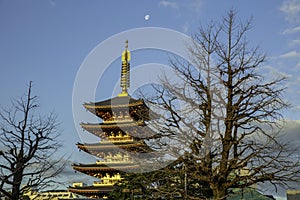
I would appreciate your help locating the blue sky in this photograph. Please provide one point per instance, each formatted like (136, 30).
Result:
(47, 41)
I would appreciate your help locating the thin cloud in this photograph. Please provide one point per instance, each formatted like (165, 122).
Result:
(294, 42)
(292, 130)
(185, 27)
(169, 4)
(291, 9)
(291, 30)
(291, 134)
(291, 54)
(195, 5)
(274, 72)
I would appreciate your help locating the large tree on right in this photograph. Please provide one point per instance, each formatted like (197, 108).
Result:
(223, 116)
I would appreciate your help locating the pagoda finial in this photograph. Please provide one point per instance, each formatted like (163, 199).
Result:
(125, 76)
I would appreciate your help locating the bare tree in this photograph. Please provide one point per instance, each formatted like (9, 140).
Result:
(28, 142)
(223, 116)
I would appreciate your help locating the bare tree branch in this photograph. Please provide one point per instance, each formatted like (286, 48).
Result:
(28, 142)
(229, 119)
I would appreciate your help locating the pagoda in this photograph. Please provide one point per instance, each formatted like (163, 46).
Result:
(121, 134)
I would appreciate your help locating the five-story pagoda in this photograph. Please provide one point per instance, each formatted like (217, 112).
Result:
(122, 133)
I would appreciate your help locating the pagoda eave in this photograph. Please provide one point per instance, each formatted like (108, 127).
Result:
(92, 191)
(93, 169)
(138, 130)
(124, 101)
(113, 125)
(138, 147)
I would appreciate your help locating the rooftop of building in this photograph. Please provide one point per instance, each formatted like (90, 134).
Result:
(119, 101)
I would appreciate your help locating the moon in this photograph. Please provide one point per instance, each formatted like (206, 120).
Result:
(147, 17)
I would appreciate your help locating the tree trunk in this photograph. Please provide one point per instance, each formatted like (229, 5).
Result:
(219, 193)
(17, 183)
(16, 191)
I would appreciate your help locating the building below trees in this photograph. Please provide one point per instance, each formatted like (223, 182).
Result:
(49, 195)
(293, 194)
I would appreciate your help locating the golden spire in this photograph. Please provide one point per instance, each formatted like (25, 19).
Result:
(125, 76)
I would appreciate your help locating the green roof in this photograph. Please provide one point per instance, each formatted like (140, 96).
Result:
(248, 193)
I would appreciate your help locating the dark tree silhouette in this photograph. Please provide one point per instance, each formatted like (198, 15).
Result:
(28, 142)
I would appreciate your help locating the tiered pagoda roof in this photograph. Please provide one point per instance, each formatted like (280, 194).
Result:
(92, 191)
(97, 170)
(97, 148)
(136, 108)
(116, 102)
(121, 134)
(137, 129)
